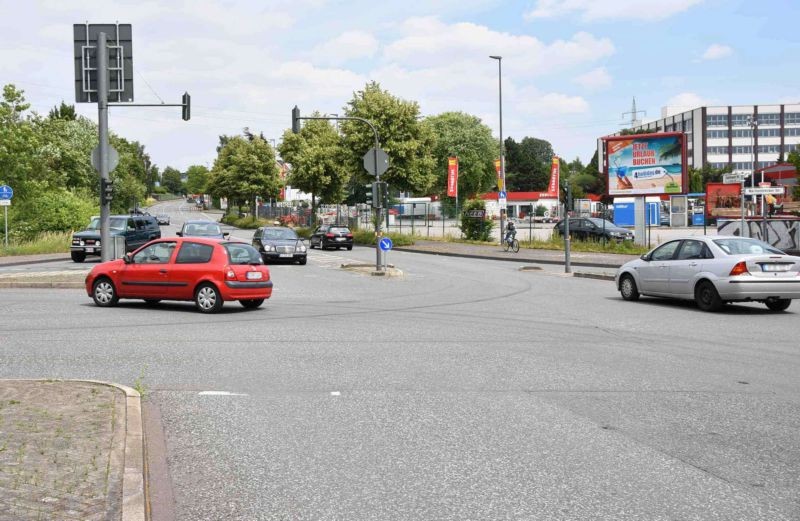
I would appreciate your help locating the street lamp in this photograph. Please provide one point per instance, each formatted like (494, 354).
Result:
(752, 124)
(502, 155)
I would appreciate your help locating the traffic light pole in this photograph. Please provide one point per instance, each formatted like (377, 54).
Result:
(296, 129)
(102, 125)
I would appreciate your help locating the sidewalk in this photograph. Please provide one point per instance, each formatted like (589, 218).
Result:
(71, 450)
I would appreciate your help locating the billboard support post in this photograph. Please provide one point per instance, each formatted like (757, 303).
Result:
(102, 126)
(742, 205)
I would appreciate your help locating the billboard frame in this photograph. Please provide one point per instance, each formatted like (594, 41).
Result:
(654, 135)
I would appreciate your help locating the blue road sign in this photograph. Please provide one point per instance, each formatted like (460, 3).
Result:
(502, 194)
(385, 244)
(6, 192)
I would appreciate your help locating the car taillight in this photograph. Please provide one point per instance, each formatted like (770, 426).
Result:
(739, 269)
(329, 235)
(230, 274)
(349, 236)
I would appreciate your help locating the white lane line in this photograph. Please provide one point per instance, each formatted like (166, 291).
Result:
(335, 393)
(220, 393)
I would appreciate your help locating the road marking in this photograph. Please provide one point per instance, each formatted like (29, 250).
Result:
(220, 393)
(335, 393)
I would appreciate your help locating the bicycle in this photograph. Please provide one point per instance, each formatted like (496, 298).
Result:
(511, 243)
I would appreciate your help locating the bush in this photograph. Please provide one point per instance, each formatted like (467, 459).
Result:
(476, 229)
(56, 210)
(367, 238)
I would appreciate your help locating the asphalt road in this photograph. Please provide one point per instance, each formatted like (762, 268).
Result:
(465, 390)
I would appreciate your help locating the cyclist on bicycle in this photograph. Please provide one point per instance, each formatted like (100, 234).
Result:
(511, 231)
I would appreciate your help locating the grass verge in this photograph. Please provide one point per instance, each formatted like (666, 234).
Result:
(50, 242)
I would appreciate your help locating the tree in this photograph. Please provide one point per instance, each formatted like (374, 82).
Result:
(463, 136)
(171, 180)
(407, 142)
(318, 162)
(528, 164)
(476, 228)
(64, 111)
(196, 179)
(244, 169)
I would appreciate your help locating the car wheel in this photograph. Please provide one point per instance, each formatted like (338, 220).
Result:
(251, 304)
(207, 298)
(104, 293)
(302, 261)
(152, 301)
(628, 289)
(349, 248)
(707, 297)
(77, 256)
(778, 304)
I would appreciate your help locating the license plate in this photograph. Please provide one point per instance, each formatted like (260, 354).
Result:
(285, 255)
(775, 267)
(89, 250)
(339, 238)
(254, 275)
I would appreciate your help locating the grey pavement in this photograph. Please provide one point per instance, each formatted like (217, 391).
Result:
(70, 450)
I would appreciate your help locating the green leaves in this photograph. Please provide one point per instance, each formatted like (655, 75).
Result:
(243, 169)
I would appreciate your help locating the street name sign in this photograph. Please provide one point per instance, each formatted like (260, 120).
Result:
(775, 190)
(730, 179)
(5, 202)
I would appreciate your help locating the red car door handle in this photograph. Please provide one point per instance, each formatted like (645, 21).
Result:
(162, 271)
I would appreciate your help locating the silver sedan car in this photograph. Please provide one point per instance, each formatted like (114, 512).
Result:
(714, 270)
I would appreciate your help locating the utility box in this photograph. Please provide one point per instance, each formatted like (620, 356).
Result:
(118, 247)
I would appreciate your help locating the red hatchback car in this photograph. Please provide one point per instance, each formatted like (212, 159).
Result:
(207, 271)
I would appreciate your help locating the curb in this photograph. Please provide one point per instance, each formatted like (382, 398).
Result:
(43, 285)
(512, 259)
(36, 261)
(598, 276)
(133, 495)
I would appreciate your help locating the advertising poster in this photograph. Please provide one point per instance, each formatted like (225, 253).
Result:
(724, 200)
(452, 177)
(646, 164)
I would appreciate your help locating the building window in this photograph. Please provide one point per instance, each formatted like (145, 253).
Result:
(742, 133)
(769, 132)
(717, 120)
(719, 166)
(790, 148)
(791, 132)
(769, 149)
(717, 134)
(740, 120)
(718, 150)
(769, 119)
(747, 166)
(791, 118)
(742, 150)
(765, 164)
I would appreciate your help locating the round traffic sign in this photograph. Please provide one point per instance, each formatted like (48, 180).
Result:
(385, 244)
(6, 192)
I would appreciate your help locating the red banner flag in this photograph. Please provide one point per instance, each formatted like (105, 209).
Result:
(552, 188)
(452, 177)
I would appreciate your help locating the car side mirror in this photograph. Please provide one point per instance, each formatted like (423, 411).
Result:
(645, 257)
(179, 234)
(225, 234)
(128, 258)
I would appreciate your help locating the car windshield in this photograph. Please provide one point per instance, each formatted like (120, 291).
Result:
(202, 229)
(115, 223)
(240, 253)
(599, 223)
(745, 246)
(279, 233)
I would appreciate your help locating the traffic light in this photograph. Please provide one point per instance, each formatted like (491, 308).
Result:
(379, 194)
(567, 196)
(370, 193)
(296, 120)
(106, 190)
(187, 106)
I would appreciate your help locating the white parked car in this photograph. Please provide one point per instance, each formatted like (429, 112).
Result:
(714, 270)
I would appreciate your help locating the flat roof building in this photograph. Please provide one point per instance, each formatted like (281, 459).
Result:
(743, 137)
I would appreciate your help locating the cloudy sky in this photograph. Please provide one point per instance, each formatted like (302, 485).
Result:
(570, 67)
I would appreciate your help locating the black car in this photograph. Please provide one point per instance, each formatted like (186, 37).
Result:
(137, 230)
(594, 228)
(279, 243)
(198, 228)
(331, 236)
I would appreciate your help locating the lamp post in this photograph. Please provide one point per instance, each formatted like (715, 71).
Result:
(502, 155)
(752, 124)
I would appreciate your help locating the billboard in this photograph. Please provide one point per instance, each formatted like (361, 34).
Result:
(645, 164)
(724, 200)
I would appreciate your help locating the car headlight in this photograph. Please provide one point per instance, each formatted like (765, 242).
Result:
(269, 247)
(97, 243)
(300, 247)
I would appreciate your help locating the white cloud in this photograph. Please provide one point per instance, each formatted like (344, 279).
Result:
(595, 79)
(550, 104)
(688, 100)
(347, 46)
(603, 10)
(717, 51)
(428, 42)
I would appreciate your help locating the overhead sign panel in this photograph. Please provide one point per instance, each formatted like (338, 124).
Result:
(646, 164)
(120, 61)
